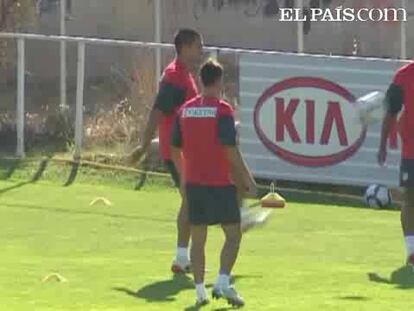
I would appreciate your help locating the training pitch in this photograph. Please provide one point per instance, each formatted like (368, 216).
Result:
(60, 253)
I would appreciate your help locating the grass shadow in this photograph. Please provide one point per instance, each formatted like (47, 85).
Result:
(16, 186)
(79, 212)
(402, 278)
(73, 174)
(166, 290)
(35, 178)
(234, 279)
(196, 308)
(10, 168)
(354, 298)
(40, 171)
(161, 291)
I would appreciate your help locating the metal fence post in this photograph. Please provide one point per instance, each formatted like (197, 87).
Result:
(20, 152)
(214, 54)
(79, 101)
(157, 38)
(403, 52)
(63, 70)
(300, 35)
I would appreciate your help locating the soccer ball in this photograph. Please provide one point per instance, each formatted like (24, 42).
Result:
(370, 108)
(252, 218)
(378, 196)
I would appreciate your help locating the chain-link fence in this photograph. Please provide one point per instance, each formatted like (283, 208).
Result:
(120, 81)
(118, 93)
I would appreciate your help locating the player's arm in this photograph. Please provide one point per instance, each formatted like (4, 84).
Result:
(394, 103)
(242, 177)
(176, 154)
(247, 175)
(150, 128)
(169, 96)
(238, 167)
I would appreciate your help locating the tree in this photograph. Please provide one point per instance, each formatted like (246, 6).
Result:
(15, 16)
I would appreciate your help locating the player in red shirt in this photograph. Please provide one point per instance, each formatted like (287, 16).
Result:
(400, 96)
(205, 150)
(177, 86)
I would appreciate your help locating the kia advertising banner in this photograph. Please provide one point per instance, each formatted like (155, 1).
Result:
(298, 119)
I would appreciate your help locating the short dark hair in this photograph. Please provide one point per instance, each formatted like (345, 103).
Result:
(210, 72)
(185, 37)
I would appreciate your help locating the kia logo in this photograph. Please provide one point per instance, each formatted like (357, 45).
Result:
(308, 121)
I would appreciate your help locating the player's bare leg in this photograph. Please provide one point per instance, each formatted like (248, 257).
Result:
(229, 253)
(407, 222)
(183, 226)
(199, 237)
(231, 247)
(182, 263)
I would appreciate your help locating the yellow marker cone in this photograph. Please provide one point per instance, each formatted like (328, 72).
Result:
(273, 199)
(54, 277)
(100, 200)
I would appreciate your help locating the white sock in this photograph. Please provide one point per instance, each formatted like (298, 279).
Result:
(201, 291)
(409, 244)
(223, 280)
(182, 253)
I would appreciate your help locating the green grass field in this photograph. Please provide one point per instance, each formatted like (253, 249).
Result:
(309, 257)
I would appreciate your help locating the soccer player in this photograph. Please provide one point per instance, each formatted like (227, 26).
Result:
(400, 96)
(177, 85)
(205, 150)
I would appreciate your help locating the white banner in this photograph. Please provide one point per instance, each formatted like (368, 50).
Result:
(298, 119)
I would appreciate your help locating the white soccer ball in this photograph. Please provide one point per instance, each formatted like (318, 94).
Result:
(252, 218)
(378, 196)
(370, 108)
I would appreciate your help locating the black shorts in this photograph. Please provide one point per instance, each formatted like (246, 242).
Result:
(212, 205)
(170, 166)
(407, 173)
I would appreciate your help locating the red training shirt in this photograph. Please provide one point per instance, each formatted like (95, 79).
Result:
(400, 96)
(204, 126)
(177, 86)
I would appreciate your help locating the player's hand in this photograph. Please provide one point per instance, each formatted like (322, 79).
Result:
(251, 188)
(135, 156)
(382, 156)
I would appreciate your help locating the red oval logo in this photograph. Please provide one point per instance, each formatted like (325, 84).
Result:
(308, 121)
